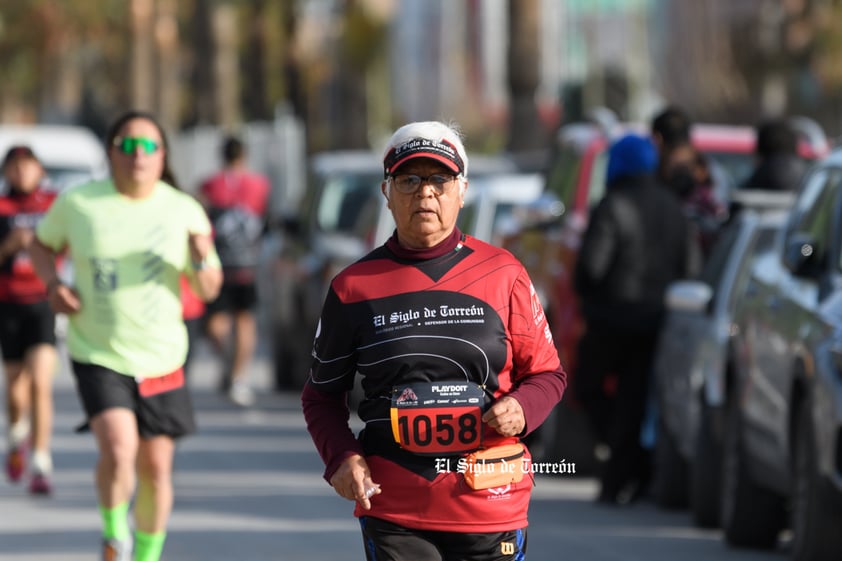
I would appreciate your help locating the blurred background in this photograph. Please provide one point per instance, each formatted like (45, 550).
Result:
(351, 70)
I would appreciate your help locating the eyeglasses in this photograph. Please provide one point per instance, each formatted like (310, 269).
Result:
(408, 184)
(129, 144)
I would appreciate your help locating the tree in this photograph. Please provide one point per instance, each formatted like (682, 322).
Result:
(525, 130)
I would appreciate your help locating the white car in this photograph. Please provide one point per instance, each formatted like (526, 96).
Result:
(490, 200)
(70, 154)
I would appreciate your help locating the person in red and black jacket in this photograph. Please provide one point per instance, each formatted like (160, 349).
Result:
(457, 364)
(27, 325)
(236, 200)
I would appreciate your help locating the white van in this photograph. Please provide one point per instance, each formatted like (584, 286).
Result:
(70, 154)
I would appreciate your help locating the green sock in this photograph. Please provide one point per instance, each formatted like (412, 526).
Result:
(115, 521)
(148, 547)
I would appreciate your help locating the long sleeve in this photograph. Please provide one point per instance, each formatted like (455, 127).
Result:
(538, 394)
(327, 416)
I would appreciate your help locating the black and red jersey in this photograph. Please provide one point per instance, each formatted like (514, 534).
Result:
(468, 315)
(18, 281)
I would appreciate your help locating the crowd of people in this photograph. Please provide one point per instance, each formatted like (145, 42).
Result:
(145, 266)
(431, 313)
(657, 223)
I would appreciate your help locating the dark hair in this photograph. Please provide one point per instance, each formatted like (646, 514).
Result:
(776, 136)
(232, 149)
(166, 173)
(672, 125)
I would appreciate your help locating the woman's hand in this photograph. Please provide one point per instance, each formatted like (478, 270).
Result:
(63, 299)
(506, 416)
(353, 481)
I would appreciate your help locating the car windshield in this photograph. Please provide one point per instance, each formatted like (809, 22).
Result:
(562, 177)
(737, 166)
(63, 177)
(348, 204)
(59, 178)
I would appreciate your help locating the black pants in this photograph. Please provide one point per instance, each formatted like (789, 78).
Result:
(385, 541)
(617, 419)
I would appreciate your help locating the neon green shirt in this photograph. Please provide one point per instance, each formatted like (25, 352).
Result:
(128, 255)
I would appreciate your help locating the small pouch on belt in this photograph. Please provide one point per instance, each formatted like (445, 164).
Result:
(497, 466)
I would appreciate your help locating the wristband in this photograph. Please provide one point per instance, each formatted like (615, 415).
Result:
(200, 265)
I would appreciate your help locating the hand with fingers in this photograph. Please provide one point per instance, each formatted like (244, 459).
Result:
(353, 481)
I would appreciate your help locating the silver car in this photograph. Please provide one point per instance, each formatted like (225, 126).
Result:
(692, 363)
(783, 447)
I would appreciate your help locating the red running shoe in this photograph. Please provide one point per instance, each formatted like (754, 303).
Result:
(40, 485)
(16, 463)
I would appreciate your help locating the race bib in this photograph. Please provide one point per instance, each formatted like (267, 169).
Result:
(437, 418)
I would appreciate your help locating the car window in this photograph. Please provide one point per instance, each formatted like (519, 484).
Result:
(467, 220)
(763, 242)
(815, 209)
(736, 166)
(63, 177)
(562, 177)
(715, 265)
(348, 204)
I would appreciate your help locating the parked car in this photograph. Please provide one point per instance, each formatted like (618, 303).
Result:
(69, 154)
(576, 178)
(783, 429)
(692, 362)
(334, 227)
(491, 200)
(343, 217)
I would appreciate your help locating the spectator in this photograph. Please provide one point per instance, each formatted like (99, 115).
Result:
(636, 243)
(670, 126)
(778, 166)
(27, 325)
(687, 173)
(236, 200)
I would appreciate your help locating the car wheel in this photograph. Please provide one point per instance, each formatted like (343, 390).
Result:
(706, 472)
(751, 516)
(670, 485)
(815, 523)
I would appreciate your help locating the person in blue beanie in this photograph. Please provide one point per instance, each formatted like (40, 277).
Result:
(636, 243)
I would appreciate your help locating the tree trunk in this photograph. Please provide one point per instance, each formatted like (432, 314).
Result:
(168, 92)
(525, 129)
(141, 75)
(226, 68)
(202, 76)
(254, 95)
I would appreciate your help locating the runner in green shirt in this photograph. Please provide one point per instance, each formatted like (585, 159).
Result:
(130, 238)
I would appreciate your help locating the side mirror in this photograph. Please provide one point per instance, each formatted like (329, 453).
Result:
(688, 296)
(800, 255)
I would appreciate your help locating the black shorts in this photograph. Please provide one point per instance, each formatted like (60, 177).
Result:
(385, 541)
(22, 326)
(233, 298)
(168, 413)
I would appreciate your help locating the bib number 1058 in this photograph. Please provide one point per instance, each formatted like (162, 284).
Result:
(437, 417)
(429, 431)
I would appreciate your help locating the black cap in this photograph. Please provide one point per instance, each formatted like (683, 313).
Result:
(18, 151)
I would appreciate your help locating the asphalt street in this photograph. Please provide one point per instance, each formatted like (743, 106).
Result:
(249, 488)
